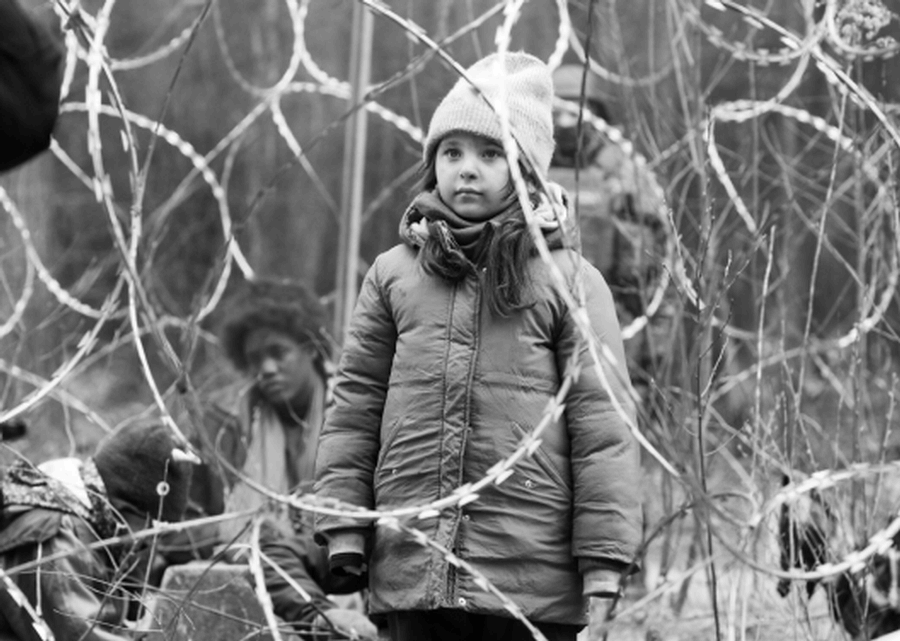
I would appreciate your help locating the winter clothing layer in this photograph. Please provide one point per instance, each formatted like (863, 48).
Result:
(31, 65)
(432, 392)
(65, 485)
(306, 563)
(470, 236)
(53, 513)
(244, 433)
(526, 86)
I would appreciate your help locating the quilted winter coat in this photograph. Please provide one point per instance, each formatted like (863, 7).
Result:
(432, 391)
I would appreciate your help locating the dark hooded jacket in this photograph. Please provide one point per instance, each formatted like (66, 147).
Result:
(433, 391)
(76, 586)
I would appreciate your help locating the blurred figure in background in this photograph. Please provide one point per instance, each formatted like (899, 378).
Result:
(620, 212)
(265, 429)
(52, 513)
(31, 67)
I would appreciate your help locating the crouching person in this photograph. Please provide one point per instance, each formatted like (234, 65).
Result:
(53, 514)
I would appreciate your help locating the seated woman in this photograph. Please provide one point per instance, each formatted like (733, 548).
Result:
(264, 430)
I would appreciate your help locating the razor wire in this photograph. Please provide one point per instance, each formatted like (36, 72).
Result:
(801, 50)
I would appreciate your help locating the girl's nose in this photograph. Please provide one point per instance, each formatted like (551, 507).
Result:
(467, 169)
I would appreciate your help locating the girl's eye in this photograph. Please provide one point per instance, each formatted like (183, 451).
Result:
(452, 152)
(493, 153)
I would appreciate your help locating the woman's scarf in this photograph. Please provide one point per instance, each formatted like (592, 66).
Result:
(279, 457)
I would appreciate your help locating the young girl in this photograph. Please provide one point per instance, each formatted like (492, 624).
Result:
(458, 341)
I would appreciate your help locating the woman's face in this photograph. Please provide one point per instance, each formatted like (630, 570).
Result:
(472, 175)
(283, 368)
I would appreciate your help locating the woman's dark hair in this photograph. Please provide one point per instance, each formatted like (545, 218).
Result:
(504, 251)
(284, 305)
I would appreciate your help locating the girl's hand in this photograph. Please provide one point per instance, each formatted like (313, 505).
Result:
(601, 614)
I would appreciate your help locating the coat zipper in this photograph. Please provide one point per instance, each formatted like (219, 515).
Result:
(451, 569)
(470, 377)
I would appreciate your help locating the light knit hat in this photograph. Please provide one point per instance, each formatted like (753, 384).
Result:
(529, 100)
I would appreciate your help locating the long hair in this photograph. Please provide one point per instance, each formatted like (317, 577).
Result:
(504, 251)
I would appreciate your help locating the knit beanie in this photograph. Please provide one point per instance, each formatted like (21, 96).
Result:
(135, 459)
(529, 100)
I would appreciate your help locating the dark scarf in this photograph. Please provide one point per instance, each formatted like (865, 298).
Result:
(450, 230)
(455, 233)
(26, 485)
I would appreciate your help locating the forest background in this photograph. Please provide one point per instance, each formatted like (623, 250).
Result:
(205, 143)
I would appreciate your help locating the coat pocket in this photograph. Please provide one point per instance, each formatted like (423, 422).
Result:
(545, 462)
(388, 436)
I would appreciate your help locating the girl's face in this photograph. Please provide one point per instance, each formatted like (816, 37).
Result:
(472, 175)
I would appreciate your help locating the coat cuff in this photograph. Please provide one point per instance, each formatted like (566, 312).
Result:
(346, 553)
(602, 582)
(602, 577)
(346, 542)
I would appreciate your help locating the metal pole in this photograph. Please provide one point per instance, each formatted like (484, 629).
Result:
(353, 171)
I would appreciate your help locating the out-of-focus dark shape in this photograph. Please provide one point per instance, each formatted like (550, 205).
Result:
(31, 67)
(804, 527)
(865, 600)
(12, 430)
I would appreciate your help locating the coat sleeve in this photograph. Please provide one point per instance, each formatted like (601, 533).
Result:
(31, 59)
(306, 563)
(350, 438)
(604, 453)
